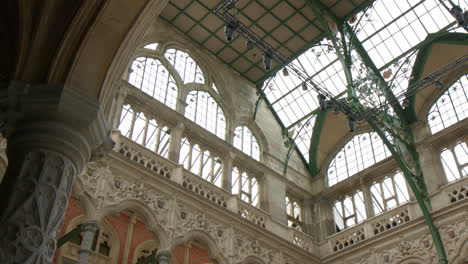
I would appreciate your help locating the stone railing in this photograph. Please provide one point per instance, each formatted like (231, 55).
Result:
(144, 156)
(251, 213)
(301, 239)
(205, 189)
(369, 228)
(388, 220)
(457, 190)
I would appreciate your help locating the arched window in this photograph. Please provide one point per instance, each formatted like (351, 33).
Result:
(144, 131)
(389, 193)
(294, 212)
(361, 152)
(201, 162)
(246, 186)
(204, 110)
(187, 68)
(245, 140)
(150, 76)
(455, 161)
(349, 211)
(451, 107)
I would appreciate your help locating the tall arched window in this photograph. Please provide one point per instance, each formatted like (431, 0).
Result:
(150, 76)
(294, 212)
(204, 110)
(455, 161)
(451, 107)
(147, 132)
(246, 186)
(349, 211)
(187, 68)
(361, 152)
(245, 140)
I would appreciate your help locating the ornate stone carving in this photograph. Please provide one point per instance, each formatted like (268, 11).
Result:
(88, 233)
(205, 189)
(163, 257)
(390, 220)
(346, 238)
(30, 222)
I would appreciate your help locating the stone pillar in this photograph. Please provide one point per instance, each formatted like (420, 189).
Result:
(274, 198)
(366, 193)
(323, 209)
(163, 257)
(88, 233)
(175, 143)
(308, 216)
(227, 172)
(52, 133)
(128, 240)
(117, 105)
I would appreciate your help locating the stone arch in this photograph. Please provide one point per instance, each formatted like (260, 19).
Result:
(410, 260)
(147, 245)
(212, 248)
(154, 225)
(252, 260)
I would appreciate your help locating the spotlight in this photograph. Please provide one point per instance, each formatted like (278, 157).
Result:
(438, 84)
(336, 108)
(249, 44)
(322, 101)
(304, 86)
(351, 124)
(285, 72)
(230, 30)
(267, 60)
(457, 13)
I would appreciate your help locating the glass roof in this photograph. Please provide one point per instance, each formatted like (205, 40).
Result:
(391, 32)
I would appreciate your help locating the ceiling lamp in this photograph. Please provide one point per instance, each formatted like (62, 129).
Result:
(322, 101)
(461, 17)
(267, 60)
(304, 86)
(249, 44)
(230, 30)
(351, 124)
(438, 84)
(285, 72)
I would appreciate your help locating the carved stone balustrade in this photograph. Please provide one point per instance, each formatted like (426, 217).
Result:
(253, 214)
(301, 239)
(206, 189)
(346, 238)
(456, 191)
(388, 220)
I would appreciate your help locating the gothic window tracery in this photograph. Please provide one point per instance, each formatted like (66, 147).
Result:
(152, 77)
(294, 212)
(205, 111)
(451, 107)
(349, 211)
(246, 186)
(359, 153)
(246, 141)
(184, 64)
(389, 192)
(145, 131)
(455, 161)
(201, 162)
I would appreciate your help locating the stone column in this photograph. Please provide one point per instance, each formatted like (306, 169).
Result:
(227, 171)
(52, 133)
(163, 257)
(366, 193)
(117, 105)
(175, 143)
(128, 240)
(88, 233)
(274, 198)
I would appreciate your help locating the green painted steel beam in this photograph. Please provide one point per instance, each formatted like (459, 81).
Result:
(69, 236)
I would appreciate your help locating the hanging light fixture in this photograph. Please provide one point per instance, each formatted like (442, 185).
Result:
(285, 72)
(304, 86)
(249, 44)
(267, 60)
(230, 30)
(438, 84)
(351, 124)
(322, 101)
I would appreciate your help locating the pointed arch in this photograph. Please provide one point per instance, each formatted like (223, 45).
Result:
(204, 110)
(360, 152)
(246, 141)
(451, 107)
(214, 252)
(185, 65)
(153, 78)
